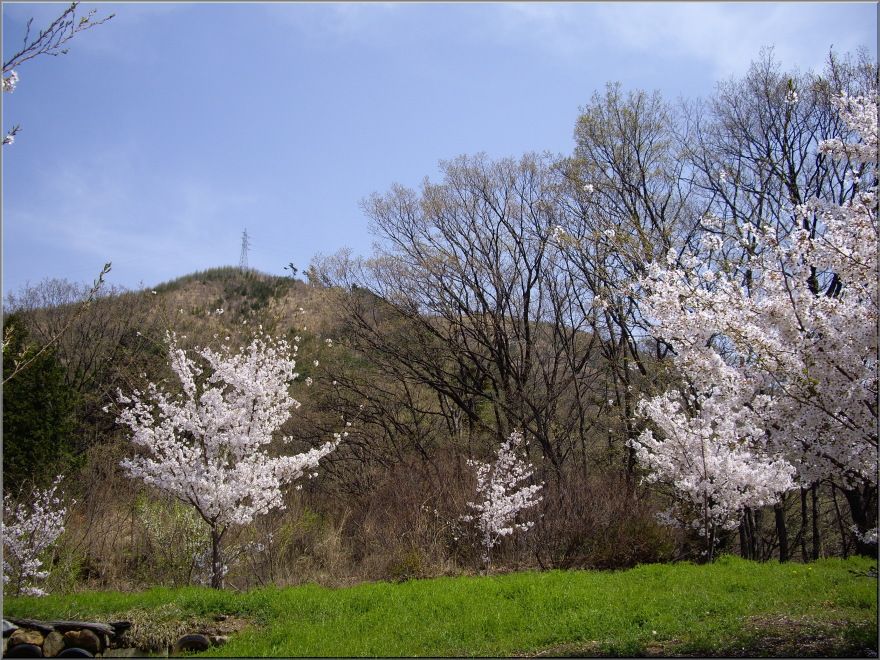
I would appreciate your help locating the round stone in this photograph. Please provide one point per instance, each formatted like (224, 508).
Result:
(24, 651)
(82, 639)
(53, 644)
(192, 643)
(75, 652)
(26, 636)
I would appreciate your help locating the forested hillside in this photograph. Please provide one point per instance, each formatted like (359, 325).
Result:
(513, 295)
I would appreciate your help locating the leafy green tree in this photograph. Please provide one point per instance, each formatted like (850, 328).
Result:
(38, 414)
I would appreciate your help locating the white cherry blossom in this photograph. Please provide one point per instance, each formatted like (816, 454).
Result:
(207, 444)
(33, 528)
(781, 372)
(502, 495)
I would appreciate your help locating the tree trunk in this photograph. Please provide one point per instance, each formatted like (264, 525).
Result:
(844, 542)
(217, 573)
(750, 533)
(743, 539)
(781, 530)
(817, 538)
(863, 506)
(804, 519)
(758, 540)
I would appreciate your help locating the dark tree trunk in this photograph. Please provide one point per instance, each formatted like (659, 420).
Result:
(743, 538)
(750, 522)
(757, 540)
(804, 519)
(216, 559)
(781, 530)
(844, 541)
(817, 538)
(863, 506)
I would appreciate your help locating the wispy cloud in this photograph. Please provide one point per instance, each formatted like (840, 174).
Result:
(334, 22)
(724, 37)
(113, 210)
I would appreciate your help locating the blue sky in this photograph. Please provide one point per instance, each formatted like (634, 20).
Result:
(164, 133)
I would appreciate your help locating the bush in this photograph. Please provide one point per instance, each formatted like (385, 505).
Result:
(600, 522)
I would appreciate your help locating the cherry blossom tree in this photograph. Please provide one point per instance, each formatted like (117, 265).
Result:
(779, 358)
(502, 495)
(33, 528)
(715, 455)
(207, 445)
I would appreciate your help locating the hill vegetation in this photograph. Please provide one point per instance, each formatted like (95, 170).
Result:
(507, 296)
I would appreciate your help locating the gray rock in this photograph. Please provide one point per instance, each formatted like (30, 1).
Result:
(75, 652)
(83, 639)
(46, 627)
(8, 628)
(218, 640)
(43, 626)
(24, 651)
(26, 636)
(195, 642)
(120, 627)
(53, 644)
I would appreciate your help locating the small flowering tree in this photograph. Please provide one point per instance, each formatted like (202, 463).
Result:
(780, 358)
(502, 494)
(207, 445)
(33, 528)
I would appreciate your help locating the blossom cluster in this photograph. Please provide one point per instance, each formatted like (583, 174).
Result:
(781, 368)
(34, 527)
(502, 495)
(869, 537)
(10, 82)
(207, 445)
(714, 456)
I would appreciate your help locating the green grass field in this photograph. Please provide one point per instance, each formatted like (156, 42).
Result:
(732, 607)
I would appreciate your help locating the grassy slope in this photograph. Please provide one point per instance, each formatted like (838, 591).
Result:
(731, 607)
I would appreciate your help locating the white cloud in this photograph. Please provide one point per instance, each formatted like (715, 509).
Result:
(725, 37)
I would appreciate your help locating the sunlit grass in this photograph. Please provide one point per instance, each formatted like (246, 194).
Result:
(732, 605)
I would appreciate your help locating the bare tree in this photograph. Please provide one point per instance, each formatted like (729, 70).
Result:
(468, 277)
(628, 203)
